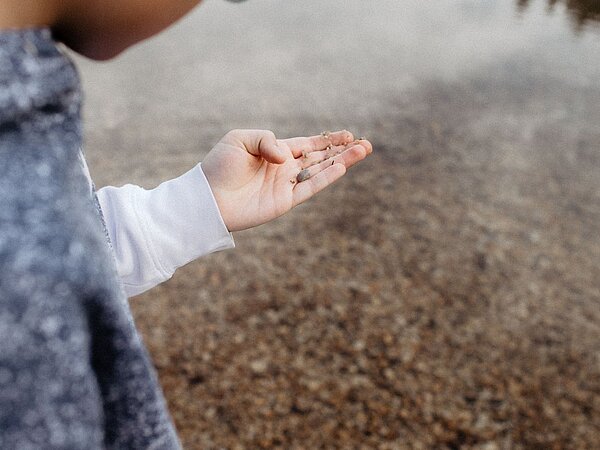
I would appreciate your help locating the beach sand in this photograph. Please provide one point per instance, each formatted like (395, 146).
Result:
(427, 300)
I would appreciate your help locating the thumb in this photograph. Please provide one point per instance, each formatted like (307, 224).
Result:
(271, 149)
(262, 143)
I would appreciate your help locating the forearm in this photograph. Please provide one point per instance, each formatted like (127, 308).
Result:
(153, 232)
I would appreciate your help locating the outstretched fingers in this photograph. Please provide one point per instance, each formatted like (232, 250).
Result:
(307, 188)
(347, 155)
(316, 176)
(352, 155)
(304, 145)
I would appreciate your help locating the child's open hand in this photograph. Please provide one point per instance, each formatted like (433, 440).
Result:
(256, 177)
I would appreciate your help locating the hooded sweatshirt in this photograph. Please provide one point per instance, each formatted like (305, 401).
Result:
(74, 373)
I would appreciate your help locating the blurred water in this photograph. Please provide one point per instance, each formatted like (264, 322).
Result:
(300, 67)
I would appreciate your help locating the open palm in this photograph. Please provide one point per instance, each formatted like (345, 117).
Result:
(256, 177)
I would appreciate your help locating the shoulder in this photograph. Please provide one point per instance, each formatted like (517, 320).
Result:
(101, 29)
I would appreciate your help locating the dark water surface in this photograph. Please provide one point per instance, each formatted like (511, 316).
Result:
(583, 12)
(447, 293)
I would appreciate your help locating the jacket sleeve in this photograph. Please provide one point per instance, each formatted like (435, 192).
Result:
(153, 232)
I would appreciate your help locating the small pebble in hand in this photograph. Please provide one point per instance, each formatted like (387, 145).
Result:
(303, 175)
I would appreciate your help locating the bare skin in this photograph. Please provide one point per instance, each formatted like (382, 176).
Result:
(98, 29)
(253, 175)
(16, 14)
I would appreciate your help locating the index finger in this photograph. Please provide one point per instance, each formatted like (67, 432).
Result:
(304, 145)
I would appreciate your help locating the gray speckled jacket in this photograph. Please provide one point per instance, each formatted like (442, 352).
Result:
(73, 371)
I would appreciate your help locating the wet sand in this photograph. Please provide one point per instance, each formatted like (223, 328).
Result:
(445, 294)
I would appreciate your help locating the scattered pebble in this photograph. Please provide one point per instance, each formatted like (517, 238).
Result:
(303, 175)
(259, 366)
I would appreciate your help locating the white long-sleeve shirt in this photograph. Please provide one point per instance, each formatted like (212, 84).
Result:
(154, 232)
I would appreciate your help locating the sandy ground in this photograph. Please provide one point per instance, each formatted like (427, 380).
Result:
(446, 294)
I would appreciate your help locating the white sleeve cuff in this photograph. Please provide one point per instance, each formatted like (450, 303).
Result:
(154, 232)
